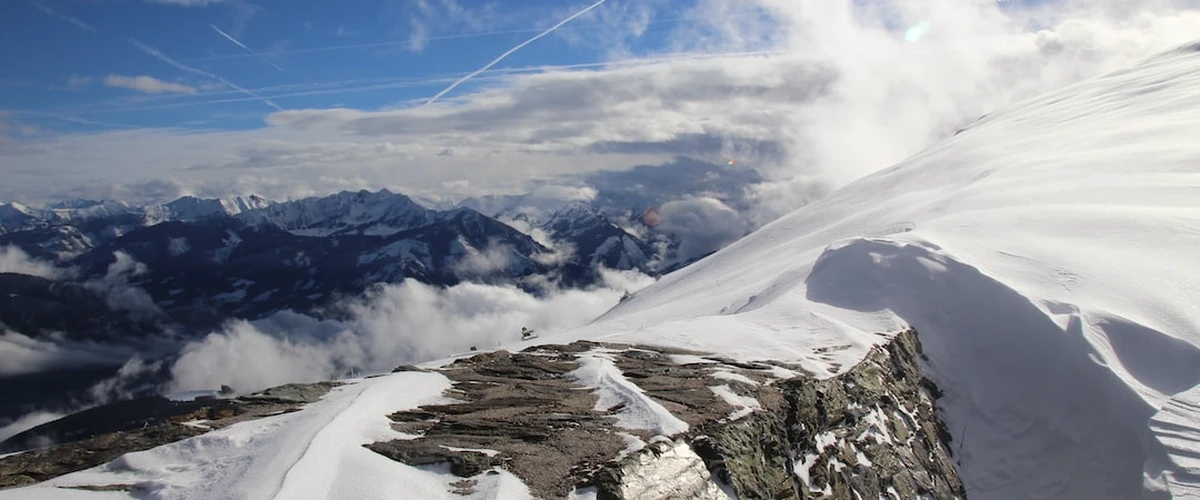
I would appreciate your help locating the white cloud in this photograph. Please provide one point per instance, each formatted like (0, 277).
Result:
(15, 260)
(392, 325)
(119, 293)
(702, 225)
(147, 84)
(27, 422)
(492, 259)
(824, 97)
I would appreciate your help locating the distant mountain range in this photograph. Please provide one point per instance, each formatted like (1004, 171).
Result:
(138, 281)
(204, 261)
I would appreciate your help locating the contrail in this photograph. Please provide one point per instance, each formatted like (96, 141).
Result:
(85, 26)
(375, 45)
(153, 52)
(157, 54)
(242, 45)
(514, 49)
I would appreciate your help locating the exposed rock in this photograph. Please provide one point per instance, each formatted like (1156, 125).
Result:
(292, 393)
(863, 434)
(462, 463)
(856, 435)
(868, 433)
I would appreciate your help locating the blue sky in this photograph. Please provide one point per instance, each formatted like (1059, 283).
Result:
(147, 100)
(74, 59)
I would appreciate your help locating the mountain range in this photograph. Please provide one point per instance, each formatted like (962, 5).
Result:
(206, 260)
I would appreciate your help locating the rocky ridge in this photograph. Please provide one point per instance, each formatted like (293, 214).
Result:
(682, 425)
(756, 430)
(99, 435)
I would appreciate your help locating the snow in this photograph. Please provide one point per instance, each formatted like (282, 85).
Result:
(597, 371)
(1046, 255)
(490, 453)
(745, 405)
(378, 214)
(725, 374)
(315, 453)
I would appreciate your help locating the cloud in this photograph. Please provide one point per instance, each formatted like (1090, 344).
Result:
(701, 225)
(120, 294)
(823, 94)
(392, 325)
(21, 354)
(27, 422)
(513, 50)
(157, 54)
(15, 260)
(496, 257)
(146, 84)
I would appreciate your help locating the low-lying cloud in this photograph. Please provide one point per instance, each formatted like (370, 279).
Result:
(391, 325)
(701, 225)
(120, 294)
(15, 260)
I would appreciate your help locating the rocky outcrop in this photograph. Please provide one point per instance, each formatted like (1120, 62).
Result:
(587, 418)
(871, 432)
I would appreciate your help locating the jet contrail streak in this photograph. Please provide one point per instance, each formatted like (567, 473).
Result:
(242, 45)
(153, 52)
(69, 19)
(157, 54)
(514, 49)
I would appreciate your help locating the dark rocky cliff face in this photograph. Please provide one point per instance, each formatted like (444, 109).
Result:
(685, 425)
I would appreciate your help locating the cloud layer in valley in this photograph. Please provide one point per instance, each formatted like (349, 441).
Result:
(394, 324)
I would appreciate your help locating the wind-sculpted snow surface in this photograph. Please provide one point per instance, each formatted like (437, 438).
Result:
(1047, 256)
(313, 453)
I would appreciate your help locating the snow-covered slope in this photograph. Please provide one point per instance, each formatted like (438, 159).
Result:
(1048, 257)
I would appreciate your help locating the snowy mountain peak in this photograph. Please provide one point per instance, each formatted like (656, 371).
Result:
(190, 208)
(17, 217)
(363, 212)
(576, 211)
(75, 203)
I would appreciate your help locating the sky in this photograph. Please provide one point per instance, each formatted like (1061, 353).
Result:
(147, 100)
